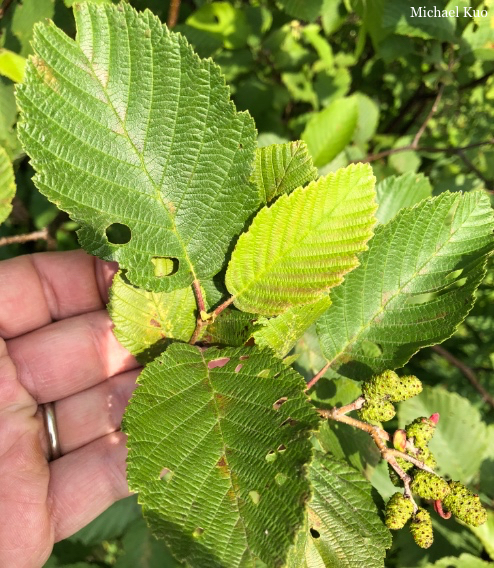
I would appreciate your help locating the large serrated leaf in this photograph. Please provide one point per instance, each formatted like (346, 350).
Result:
(304, 243)
(7, 185)
(461, 438)
(281, 168)
(282, 332)
(343, 529)
(127, 125)
(146, 321)
(396, 192)
(414, 286)
(218, 442)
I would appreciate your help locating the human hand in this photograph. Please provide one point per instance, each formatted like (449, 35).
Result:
(57, 345)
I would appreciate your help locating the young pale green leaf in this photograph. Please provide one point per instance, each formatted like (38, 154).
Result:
(218, 442)
(478, 37)
(281, 333)
(414, 286)
(145, 321)
(329, 131)
(463, 561)
(7, 185)
(12, 65)
(304, 243)
(461, 438)
(396, 192)
(343, 529)
(126, 125)
(281, 168)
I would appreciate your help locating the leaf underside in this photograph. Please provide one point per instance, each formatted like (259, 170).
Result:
(304, 243)
(217, 452)
(127, 125)
(343, 529)
(146, 321)
(413, 287)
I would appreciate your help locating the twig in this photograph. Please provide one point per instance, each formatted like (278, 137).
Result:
(448, 150)
(5, 6)
(433, 111)
(201, 311)
(198, 294)
(466, 372)
(173, 13)
(316, 377)
(221, 307)
(19, 239)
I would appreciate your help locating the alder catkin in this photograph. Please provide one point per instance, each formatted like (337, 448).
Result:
(378, 411)
(421, 528)
(429, 486)
(421, 430)
(398, 510)
(465, 505)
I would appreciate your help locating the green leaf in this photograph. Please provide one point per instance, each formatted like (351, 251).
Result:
(146, 321)
(478, 37)
(301, 9)
(329, 131)
(463, 561)
(218, 442)
(304, 243)
(142, 550)
(343, 528)
(368, 119)
(25, 16)
(281, 168)
(110, 524)
(7, 185)
(281, 333)
(413, 287)
(150, 141)
(231, 327)
(460, 439)
(8, 118)
(396, 192)
(485, 533)
(12, 65)
(399, 18)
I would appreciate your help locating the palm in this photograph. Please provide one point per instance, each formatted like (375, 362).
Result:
(58, 345)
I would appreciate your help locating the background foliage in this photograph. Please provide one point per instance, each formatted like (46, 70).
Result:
(356, 80)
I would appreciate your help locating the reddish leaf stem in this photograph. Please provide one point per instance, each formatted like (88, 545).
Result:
(316, 377)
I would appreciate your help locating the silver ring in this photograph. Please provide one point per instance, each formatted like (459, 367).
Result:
(50, 422)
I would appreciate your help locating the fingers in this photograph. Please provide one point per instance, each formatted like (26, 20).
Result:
(40, 288)
(93, 413)
(86, 482)
(69, 356)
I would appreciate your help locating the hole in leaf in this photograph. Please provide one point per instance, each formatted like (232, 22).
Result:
(164, 265)
(264, 374)
(241, 146)
(197, 532)
(280, 478)
(118, 234)
(254, 495)
(314, 533)
(166, 474)
(271, 456)
(288, 422)
(218, 362)
(238, 367)
(279, 402)
(281, 448)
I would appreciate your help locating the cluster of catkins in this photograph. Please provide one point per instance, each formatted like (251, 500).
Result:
(380, 393)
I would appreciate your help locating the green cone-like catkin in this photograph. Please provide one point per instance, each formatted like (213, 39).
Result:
(380, 386)
(421, 430)
(429, 486)
(379, 411)
(465, 505)
(425, 455)
(393, 476)
(421, 528)
(398, 510)
(409, 387)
